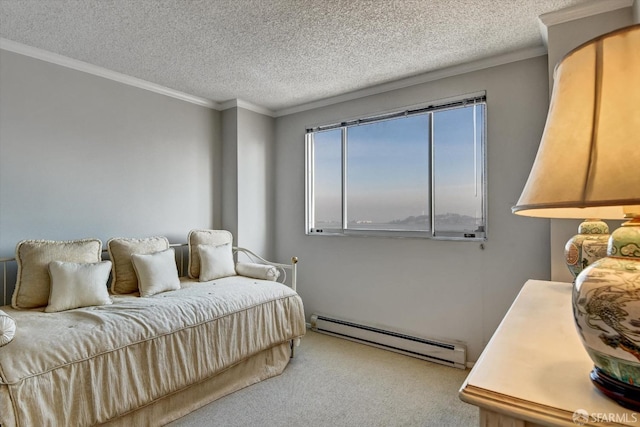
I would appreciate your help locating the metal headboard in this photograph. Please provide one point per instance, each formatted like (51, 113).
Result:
(9, 268)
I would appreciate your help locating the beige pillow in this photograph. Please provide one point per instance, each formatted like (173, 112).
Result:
(124, 279)
(257, 271)
(75, 285)
(157, 272)
(7, 328)
(216, 262)
(33, 257)
(204, 237)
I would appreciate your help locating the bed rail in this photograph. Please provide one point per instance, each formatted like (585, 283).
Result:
(9, 268)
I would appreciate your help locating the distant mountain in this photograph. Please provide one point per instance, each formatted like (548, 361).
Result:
(420, 219)
(448, 218)
(452, 220)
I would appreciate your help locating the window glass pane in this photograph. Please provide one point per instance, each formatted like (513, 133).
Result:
(327, 179)
(458, 205)
(388, 175)
(391, 165)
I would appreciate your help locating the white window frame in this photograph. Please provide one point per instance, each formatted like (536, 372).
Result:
(479, 235)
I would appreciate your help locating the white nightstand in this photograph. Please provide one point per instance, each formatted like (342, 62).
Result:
(535, 371)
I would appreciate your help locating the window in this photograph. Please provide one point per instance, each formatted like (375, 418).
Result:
(417, 173)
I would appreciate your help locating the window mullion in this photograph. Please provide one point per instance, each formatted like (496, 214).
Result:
(475, 151)
(310, 183)
(344, 178)
(432, 181)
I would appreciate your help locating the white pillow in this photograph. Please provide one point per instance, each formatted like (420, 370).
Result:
(33, 285)
(124, 279)
(7, 328)
(157, 272)
(204, 237)
(216, 262)
(75, 285)
(257, 271)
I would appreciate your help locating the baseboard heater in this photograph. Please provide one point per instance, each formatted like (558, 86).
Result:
(449, 354)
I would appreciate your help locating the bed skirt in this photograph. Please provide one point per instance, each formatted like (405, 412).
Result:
(266, 364)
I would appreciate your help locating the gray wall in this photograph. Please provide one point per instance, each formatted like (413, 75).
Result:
(230, 171)
(437, 289)
(256, 134)
(83, 156)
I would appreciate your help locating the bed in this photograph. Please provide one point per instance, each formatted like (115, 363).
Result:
(148, 360)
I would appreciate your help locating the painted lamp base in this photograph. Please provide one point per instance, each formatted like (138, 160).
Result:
(606, 310)
(586, 247)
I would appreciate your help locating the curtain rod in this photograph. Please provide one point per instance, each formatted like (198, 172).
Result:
(409, 112)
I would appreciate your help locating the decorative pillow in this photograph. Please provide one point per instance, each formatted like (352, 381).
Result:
(7, 328)
(204, 237)
(257, 271)
(75, 285)
(124, 279)
(33, 258)
(216, 262)
(156, 272)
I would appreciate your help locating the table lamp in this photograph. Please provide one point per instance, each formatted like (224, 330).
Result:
(588, 166)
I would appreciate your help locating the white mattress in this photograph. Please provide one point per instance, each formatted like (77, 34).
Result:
(86, 366)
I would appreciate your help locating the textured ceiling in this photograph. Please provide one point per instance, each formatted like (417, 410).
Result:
(275, 53)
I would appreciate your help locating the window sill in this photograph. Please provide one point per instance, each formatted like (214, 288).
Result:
(451, 236)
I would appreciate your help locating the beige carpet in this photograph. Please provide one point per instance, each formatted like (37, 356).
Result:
(335, 382)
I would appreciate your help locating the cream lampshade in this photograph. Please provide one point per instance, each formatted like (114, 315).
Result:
(588, 162)
(588, 166)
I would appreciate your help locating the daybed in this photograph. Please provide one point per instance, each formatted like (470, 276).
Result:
(134, 359)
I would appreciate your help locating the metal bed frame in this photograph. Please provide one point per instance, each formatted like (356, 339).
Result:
(9, 268)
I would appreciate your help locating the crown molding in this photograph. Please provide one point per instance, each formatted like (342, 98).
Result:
(584, 10)
(75, 64)
(64, 61)
(420, 79)
(240, 103)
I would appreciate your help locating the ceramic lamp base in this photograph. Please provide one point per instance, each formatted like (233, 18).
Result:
(624, 394)
(606, 308)
(586, 247)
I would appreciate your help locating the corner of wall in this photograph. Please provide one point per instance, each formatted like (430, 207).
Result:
(229, 211)
(248, 185)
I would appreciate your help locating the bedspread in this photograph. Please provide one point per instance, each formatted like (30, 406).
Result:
(89, 365)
